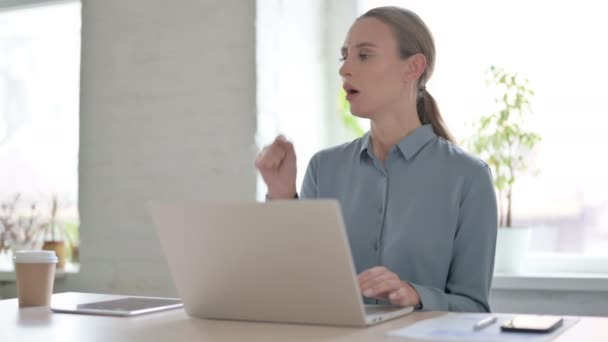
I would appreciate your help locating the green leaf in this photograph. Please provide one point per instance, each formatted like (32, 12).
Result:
(500, 137)
(349, 121)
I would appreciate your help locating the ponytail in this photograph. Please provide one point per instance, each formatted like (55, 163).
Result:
(428, 113)
(413, 36)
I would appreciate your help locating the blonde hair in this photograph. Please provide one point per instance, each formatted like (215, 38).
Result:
(413, 36)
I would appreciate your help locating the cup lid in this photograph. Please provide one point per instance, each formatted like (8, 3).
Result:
(35, 257)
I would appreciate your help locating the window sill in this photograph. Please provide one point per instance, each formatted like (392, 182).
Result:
(551, 282)
(7, 275)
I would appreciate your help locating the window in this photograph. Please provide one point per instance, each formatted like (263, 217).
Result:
(39, 90)
(564, 59)
(290, 76)
(567, 202)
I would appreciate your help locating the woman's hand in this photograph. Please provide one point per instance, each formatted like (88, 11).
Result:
(380, 283)
(277, 164)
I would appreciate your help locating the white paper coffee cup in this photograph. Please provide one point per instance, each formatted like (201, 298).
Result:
(35, 257)
(35, 272)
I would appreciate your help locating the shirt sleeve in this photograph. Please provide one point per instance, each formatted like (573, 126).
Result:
(472, 266)
(309, 184)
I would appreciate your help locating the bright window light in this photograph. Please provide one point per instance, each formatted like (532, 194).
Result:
(564, 58)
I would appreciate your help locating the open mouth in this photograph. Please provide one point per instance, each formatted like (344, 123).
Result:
(350, 91)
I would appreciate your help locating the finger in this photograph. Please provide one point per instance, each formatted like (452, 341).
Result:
(259, 159)
(264, 161)
(370, 273)
(271, 157)
(380, 275)
(286, 146)
(281, 141)
(369, 289)
(383, 288)
(370, 283)
(398, 297)
(279, 138)
(276, 155)
(290, 152)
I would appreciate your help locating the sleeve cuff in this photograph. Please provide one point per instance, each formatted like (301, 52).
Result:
(294, 197)
(430, 299)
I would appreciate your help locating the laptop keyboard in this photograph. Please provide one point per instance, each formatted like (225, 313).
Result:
(379, 309)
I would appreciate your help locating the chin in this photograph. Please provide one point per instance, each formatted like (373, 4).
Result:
(364, 114)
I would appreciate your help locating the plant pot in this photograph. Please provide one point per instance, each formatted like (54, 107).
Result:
(60, 250)
(75, 254)
(511, 247)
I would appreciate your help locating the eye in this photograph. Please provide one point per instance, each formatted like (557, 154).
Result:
(363, 56)
(342, 59)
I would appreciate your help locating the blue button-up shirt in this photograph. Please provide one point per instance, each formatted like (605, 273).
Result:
(428, 214)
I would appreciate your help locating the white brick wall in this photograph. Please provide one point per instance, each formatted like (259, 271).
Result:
(167, 111)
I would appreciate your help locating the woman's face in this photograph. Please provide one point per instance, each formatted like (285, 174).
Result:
(376, 79)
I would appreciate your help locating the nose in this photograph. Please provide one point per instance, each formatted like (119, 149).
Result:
(344, 70)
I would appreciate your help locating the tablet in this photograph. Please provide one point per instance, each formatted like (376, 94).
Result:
(127, 306)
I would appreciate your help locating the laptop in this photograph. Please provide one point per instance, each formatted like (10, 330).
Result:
(278, 261)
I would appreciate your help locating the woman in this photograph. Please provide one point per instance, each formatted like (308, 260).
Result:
(420, 212)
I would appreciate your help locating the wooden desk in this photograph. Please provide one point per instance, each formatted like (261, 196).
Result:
(39, 324)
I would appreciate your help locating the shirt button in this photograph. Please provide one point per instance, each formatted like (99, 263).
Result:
(376, 245)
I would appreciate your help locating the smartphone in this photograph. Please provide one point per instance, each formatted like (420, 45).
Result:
(533, 323)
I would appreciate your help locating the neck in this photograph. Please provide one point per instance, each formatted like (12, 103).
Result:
(389, 129)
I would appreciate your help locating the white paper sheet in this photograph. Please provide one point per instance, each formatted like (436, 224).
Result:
(459, 327)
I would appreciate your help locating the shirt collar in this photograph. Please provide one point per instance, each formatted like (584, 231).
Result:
(364, 144)
(410, 145)
(416, 140)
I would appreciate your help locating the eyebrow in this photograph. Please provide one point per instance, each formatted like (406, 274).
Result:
(358, 46)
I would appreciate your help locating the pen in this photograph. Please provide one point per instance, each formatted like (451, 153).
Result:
(484, 323)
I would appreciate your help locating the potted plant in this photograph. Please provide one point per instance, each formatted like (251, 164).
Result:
(22, 229)
(502, 141)
(18, 229)
(7, 231)
(55, 236)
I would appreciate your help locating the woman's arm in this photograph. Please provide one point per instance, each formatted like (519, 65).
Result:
(472, 266)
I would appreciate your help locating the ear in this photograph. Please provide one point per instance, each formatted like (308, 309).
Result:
(415, 66)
